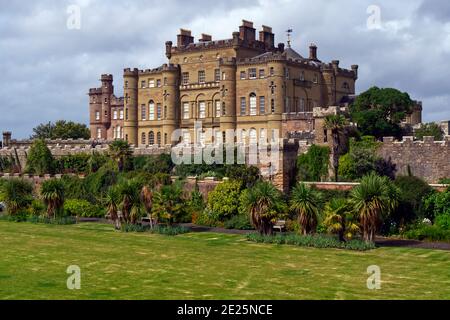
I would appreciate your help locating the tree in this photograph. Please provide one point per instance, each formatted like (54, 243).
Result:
(147, 200)
(313, 165)
(264, 204)
(40, 159)
(379, 112)
(374, 199)
(120, 151)
(339, 218)
(130, 201)
(52, 193)
(61, 130)
(304, 204)
(223, 202)
(430, 130)
(17, 194)
(336, 124)
(168, 203)
(112, 204)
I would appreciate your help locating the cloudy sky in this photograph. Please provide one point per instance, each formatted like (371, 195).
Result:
(47, 68)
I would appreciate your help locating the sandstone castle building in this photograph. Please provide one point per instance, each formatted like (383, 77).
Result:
(244, 83)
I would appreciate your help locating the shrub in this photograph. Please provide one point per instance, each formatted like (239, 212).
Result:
(223, 202)
(82, 208)
(39, 160)
(206, 219)
(78, 163)
(437, 204)
(162, 230)
(424, 232)
(17, 194)
(314, 241)
(154, 164)
(239, 222)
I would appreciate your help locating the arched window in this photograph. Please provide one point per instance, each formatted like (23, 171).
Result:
(272, 105)
(158, 139)
(263, 136)
(243, 136)
(143, 142)
(253, 136)
(151, 112)
(151, 138)
(253, 105)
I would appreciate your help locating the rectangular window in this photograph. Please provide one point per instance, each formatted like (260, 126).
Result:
(201, 76)
(262, 73)
(151, 83)
(185, 78)
(252, 73)
(158, 83)
(302, 105)
(142, 84)
(218, 109)
(186, 137)
(151, 113)
(158, 111)
(272, 71)
(218, 137)
(202, 138)
(302, 76)
(186, 110)
(115, 115)
(262, 105)
(224, 76)
(165, 81)
(316, 78)
(202, 110)
(217, 75)
(243, 75)
(143, 112)
(99, 133)
(243, 106)
(287, 73)
(253, 106)
(97, 115)
(126, 84)
(121, 114)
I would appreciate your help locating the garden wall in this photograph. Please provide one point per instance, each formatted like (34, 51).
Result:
(428, 159)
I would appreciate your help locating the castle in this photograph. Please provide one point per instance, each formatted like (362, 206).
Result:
(249, 85)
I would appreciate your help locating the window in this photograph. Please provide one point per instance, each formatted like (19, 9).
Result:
(201, 138)
(142, 84)
(218, 137)
(143, 140)
(263, 136)
(151, 138)
(126, 114)
(345, 85)
(115, 115)
(158, 111)
(118, 133)
(158, 83)
(302, 76)
(99, 133)
(275, 135)
(253, 106)
(201, 76)
(302, 105)
(165, 81)
(202, 110)
(126, 84)
(165, 139)
(224, 110)
(243, 106)
(185, 78)
(165, 112)
(272, 106)
(253, 136)
(97, 115)
(121, 114)
(106, 114)
(287, 105)
(316, 78)
(143, 112)
(151, 112)
(252, 73)
(217, 75)
(186, 137)
(224, 76)
(158, 139)
(262, 105)
(287, 73)
(106, 100)
(186, 110)
(262, 73)
(272, 87)
(218, 109)
(151, 83)
(272, 71)
(243, 75)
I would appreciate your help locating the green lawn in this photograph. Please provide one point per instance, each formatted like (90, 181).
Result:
(34, 259)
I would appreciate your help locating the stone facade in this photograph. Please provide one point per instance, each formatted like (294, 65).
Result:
(426, 159)
(250, 85)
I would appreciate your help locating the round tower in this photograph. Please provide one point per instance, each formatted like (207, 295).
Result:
(107, 92)
(228, 95)
(171, 112)
(131, 79)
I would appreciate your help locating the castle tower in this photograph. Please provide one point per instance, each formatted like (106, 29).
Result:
(276, 85)
(171, 114)
(131, 79)
(107, 92)
(6, 139)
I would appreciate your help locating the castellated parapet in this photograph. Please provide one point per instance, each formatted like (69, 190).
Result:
(427, 159)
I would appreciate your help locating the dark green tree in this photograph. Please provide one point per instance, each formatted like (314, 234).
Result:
(40, 159)
(61, 130)
(379, 112)
(430, 130)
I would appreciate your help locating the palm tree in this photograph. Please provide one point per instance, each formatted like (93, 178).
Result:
(336, 124)
(120, 151)
(339, 218)
(304, 203)
(373, 199)
(52, 192)
(264, 204)
(129, 193)
(168, 203)
(112, 204)
(17, 194)
(147, 200)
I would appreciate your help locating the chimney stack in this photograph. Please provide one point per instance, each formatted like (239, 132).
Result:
(185, 38)
(281, 47)
(6, 139)
(267, 37)
(169, 45)
(335, 64)
(355, 68)
(313, 52)
(246, 32)
(205, 38)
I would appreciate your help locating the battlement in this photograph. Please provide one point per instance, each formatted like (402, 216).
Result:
(107, 77)
(412, 141)
(128, 72)
(95, 91)
(164, 68)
